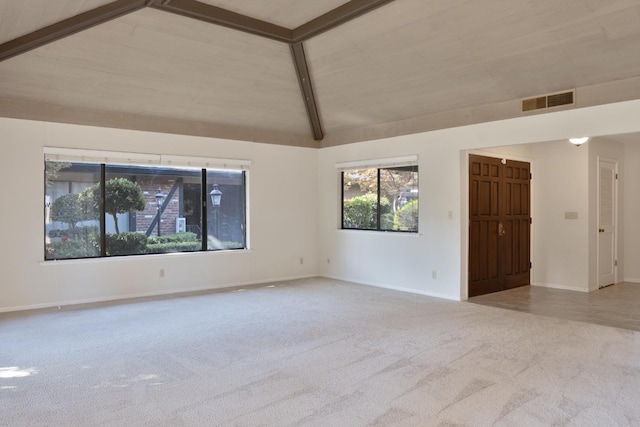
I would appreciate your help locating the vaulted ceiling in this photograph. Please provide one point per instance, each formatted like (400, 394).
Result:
(309, 73)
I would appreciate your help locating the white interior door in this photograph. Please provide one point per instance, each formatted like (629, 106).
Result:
(607, 174)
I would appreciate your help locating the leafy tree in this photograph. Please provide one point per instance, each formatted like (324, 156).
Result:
(51, 170)
(121, 196)
(393, 181)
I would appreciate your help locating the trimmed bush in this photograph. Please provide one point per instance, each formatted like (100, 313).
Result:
(74, 248)
(168, 247)
(174, 238)
(360, 212)
(406, 218)
(126, 243)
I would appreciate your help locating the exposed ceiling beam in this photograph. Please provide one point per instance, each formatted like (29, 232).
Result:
(69, 26)
(215, 15)
(336, 17)
(302, 71)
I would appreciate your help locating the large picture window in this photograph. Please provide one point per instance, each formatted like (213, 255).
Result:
(111, 209)
(380, 199)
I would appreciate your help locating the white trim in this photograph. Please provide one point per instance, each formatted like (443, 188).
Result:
(562, 287)
(411, 160)
(395, 288)
(144, 159)
(205, 163)
(615, 163)
(97, 156)
(176, 292)
(631, 280)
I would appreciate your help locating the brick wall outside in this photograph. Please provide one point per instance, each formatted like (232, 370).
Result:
(149, 186)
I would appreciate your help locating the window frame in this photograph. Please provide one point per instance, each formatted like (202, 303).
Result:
(202, 167)
(378, 165)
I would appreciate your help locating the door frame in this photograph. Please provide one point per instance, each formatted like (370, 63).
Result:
(464, 216)
(616, 216)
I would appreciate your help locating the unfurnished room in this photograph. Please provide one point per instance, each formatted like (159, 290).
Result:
(335, 213)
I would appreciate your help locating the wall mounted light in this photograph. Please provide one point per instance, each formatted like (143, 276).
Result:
(578, 141)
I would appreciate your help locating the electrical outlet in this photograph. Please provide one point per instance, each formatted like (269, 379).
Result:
(434, 274)
(301, 260)
(161, 272)
(328, 260)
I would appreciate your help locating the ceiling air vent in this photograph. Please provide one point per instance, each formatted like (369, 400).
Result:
(548, 101)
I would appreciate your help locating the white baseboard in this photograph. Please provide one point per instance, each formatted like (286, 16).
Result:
(562, 287)
(631, 280)
(395, 288)
(176, 292)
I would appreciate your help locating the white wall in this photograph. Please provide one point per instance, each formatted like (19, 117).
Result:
(560, 246)
(631, 209)
(294, 212)
(283, 218)
(561, 256)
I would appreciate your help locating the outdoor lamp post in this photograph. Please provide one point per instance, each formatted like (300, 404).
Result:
(215, 195)
(159, 199)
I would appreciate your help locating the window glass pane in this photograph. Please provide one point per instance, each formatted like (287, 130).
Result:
(225, 210)
(360, 199)
(71, 215)
(152, 210)
(399, 199)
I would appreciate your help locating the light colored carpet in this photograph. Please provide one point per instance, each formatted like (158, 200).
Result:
(313, 352)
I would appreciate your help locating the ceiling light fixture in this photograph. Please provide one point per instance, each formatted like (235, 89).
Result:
(578, 141)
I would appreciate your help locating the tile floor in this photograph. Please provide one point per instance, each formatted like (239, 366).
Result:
(616, 305)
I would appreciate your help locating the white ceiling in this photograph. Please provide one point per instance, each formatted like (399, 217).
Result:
(407, 61)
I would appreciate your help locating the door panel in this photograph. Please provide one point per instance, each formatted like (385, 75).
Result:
(606, 222)
(499, 224)
(516, 213)
(484, 198)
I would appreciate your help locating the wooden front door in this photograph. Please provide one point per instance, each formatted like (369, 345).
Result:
(499, 224)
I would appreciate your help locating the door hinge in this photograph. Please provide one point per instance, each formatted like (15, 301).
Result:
(615, 263)
(530, 264)
(616, 176)
(530, 176)
(530, 220)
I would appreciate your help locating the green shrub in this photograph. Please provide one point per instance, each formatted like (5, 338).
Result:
(406, 218)
(74, 248)
(168, 247)
(174, 238)
(360, 212)
(126, 243)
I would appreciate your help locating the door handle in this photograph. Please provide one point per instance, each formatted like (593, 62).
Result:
(501, 231)
(600, 230)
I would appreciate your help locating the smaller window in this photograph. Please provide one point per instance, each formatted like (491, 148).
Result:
(380, 199)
